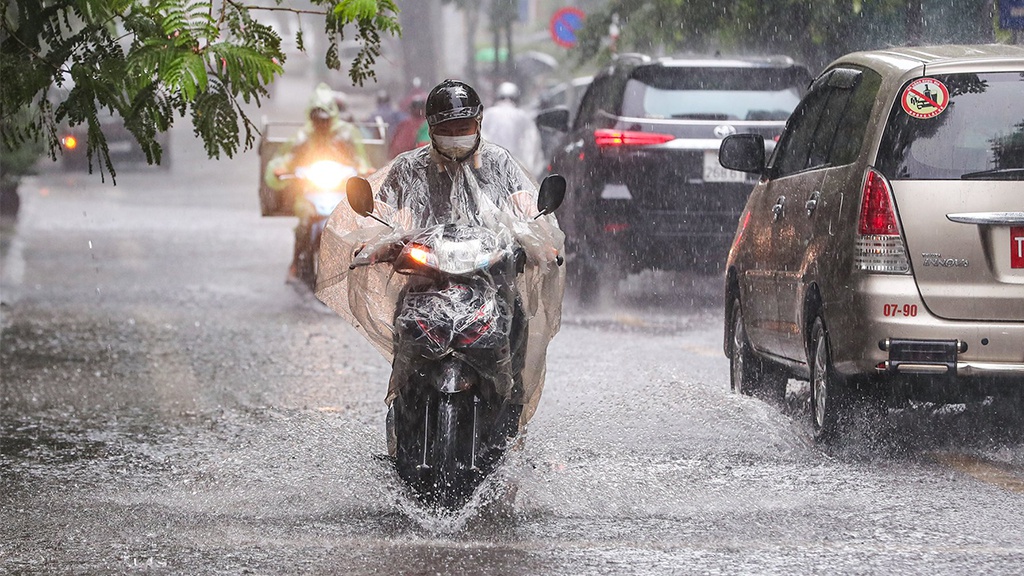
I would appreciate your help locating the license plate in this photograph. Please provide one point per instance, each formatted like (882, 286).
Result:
(119, 147)
(715, 172)
(1017, 247)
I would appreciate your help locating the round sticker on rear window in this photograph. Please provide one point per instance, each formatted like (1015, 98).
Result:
(925, 98)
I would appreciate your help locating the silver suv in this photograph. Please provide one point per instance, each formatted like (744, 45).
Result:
(882, 250)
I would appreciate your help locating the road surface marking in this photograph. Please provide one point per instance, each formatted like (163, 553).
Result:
(983, 471)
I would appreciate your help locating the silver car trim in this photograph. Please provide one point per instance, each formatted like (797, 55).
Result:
(690, 121)
(709, 144)
(991, 218)
(972, 368)
(962, 368)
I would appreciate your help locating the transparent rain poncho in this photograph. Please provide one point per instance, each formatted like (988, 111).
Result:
(419, 190)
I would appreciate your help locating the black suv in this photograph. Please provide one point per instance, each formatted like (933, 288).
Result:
(641, 158)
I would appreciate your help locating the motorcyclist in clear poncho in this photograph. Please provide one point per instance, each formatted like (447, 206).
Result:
(459, 178)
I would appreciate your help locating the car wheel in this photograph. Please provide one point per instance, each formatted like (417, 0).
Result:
(828, 393)
(588, 284)
(749, 374)
(590, 278)
(10, 201)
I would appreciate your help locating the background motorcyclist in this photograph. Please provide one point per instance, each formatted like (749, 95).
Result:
(387, 113)
(512, 128)
(406, 135)
(326, 135)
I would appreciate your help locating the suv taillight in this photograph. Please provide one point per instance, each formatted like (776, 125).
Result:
(606, 138)
(879, 246)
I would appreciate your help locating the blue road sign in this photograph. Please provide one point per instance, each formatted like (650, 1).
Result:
(564, 25)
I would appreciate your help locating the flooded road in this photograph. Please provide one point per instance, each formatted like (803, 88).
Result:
(169, 405)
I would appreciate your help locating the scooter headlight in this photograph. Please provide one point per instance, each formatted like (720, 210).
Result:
(328, 175)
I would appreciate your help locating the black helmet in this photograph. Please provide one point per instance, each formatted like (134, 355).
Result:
(452, 100)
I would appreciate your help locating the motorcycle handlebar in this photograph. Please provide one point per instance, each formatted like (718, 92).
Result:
(386, 253)
(390, 251)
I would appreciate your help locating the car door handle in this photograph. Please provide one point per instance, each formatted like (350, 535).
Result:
(812, 202)
(779, 208)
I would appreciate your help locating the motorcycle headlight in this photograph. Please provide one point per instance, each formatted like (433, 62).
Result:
(328, 175)
(461, 257)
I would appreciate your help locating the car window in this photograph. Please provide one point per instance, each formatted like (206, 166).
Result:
(849, 135)
(555, 97)
(828, 127)
(712, 93)
(795, 145)
(589, 104)
(980, 129)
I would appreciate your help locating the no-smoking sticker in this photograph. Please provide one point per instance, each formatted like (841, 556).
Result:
(925, 98)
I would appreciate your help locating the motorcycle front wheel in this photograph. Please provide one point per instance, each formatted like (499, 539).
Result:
(447, 444)
(434, 450)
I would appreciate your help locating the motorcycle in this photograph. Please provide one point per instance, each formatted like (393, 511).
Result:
(322, 183)
(460, 332)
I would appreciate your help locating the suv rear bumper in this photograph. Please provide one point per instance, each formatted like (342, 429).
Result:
(669, 238)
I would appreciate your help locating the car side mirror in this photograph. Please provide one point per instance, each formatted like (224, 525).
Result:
(556, 118)
(360, 195)
(552, 192)
(743, 152)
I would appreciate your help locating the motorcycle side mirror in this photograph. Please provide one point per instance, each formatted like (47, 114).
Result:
(360, 195)
(552, 192)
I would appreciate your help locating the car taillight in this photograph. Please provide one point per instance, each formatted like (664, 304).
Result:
(876, 213)
(879, 245)
(607, 138)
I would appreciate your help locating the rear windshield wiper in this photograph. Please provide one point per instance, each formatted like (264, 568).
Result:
(996, 174)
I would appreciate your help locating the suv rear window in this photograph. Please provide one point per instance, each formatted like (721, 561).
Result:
(713, 93)
(979, 134)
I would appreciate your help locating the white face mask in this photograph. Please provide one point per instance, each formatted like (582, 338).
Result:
(455, 146)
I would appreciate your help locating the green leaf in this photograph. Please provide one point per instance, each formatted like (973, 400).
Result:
(215, 121)
(185, 72)
(150, 60)
(356, 9)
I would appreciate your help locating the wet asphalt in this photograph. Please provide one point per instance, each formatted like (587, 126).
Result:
(169, 405)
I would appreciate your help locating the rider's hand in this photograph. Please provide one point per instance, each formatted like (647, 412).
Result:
(523, 204)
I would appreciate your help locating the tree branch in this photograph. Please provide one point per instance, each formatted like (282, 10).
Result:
(250, 7)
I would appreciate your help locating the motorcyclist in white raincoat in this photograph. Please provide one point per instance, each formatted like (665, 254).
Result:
(512, 128)
(459, 178)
